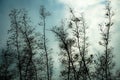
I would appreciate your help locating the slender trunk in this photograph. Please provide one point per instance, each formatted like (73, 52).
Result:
(69, 55)
(30, 57)
(75, 74)
(47, 63)
(19, 62)
(26, 77)
(70, 58)
(82, 55)
(17, 47)
(35, 70)
(30, 54)
(84, 32)
(107, 42)
(68, 69)
(18, 53)
(6, 62)
(20, 73)
(106, 70)
(30, 60)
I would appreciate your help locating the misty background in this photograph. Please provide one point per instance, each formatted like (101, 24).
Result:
(59, 9)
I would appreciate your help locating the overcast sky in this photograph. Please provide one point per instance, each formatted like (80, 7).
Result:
(93, 11)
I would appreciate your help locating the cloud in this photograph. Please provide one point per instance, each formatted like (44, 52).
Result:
(79, 3)
(115, 4)
(94, 14)
(94, 11)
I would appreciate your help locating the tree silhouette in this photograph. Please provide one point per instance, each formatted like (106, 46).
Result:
(29, 47)
(105, 64)
(79, 27)
(7, 61)
(27, 55)
(22, 38)
(14, 36)
(49, 63)
(65, 46)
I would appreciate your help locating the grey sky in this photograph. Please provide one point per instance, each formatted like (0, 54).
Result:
(93, 9)
(33, 10)
(32, 6)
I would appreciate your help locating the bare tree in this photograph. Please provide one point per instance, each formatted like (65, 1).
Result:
(78, 25)
(105, 63)
(23, 40)
(14, 36)
(66, 49)
(49, 64)
(30, 46)
(7, 61)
